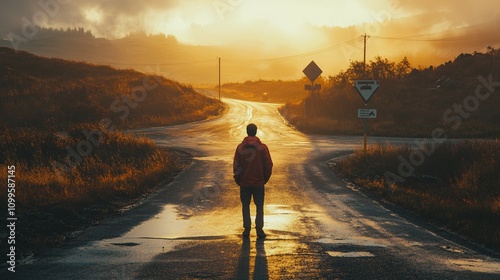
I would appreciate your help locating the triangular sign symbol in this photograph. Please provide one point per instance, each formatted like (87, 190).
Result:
(366, 88)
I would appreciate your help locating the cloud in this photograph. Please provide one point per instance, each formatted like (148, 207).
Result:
(11, 13)
(426, 31)
(117, 15)
(471, 11)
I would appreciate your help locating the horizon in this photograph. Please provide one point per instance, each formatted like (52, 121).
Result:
(270, 40)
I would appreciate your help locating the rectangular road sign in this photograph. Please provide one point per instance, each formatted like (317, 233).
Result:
(367, 113)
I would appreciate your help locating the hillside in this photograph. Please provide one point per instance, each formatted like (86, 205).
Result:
(39, 92)
(194, 64)
(60, 123)
(137, 51)
(459, 97)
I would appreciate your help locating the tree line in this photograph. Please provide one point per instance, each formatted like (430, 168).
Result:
(411, 101)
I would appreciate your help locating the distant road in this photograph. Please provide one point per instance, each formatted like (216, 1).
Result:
(317, 226)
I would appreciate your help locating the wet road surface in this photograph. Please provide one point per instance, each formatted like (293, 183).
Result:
(317, 226)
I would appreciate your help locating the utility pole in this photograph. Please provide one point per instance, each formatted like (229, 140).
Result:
(219, 78)
(366, 104)
(364, 55)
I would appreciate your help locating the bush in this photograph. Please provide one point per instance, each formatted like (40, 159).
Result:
(457, 185)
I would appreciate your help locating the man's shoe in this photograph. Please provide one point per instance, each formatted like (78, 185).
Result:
(261, 233)
(246, 233)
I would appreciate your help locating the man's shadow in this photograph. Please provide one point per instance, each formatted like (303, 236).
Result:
(260, 269)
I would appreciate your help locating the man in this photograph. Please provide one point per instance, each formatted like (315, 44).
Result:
(252, 169)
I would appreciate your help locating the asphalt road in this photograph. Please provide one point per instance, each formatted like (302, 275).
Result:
(318, 227)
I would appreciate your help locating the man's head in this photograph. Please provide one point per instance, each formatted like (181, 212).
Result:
(251, 129)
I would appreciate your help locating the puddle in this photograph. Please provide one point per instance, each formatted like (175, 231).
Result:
(118, 250)
(157, 235)
(126, 244)
(279, 217)
(172, 224)
(201, 238)
(167, 224)
(350, 254)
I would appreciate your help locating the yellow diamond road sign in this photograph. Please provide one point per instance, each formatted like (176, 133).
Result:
(312, 71)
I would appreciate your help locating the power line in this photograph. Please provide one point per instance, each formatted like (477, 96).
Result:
(415, 38)
(160, 64)
(234, 60)
(306, 54)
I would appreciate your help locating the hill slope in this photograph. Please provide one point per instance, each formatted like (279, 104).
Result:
(39, 92)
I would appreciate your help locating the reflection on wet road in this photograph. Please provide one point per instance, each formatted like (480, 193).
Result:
(318, 228)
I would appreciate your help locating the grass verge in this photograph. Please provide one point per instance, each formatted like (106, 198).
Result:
(456, 185)
(52, 204)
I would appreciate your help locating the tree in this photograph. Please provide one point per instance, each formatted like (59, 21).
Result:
(403, 68)
(492, 51)
(346, 78)
(379, 68)
(356, 71)
(382, 69)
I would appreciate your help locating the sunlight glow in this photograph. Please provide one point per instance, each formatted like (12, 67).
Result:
(93, 15)
(174, 26)
(291, 17)
(275, 39)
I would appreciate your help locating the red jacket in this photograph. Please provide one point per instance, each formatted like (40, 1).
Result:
(252, 164)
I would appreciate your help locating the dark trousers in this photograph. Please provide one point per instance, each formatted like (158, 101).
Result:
(246, 194)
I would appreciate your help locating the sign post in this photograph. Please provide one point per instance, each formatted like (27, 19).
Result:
(312, 72)
(366, 89)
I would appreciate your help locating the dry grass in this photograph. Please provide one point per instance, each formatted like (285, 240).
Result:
(458, 185)
(52, 203)
(120, 166)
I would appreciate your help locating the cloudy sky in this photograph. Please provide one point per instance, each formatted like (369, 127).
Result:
(429, 31)
(185, 19)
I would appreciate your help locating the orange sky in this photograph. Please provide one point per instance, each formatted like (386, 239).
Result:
(282, 36)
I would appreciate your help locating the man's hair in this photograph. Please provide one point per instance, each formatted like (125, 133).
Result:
(251, 129)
